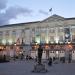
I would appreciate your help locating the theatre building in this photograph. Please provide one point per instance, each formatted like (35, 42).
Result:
(55, 33)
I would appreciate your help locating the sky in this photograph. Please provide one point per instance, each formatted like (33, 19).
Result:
(22, 11)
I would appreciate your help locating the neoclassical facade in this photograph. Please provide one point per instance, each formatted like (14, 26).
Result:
(54, 29)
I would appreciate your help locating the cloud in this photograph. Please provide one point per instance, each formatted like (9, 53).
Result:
(3, 19)
(43, 12)
(12, 13)
(3, 4)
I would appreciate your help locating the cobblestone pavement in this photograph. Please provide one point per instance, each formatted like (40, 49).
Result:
(26, 67)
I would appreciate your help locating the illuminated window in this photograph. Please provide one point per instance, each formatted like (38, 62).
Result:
(37, 37)
(10, 41)
(4, 41)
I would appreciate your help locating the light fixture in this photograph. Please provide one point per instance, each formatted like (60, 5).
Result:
(56, 39)
(57, 52)
(4, 41)
(10, 41)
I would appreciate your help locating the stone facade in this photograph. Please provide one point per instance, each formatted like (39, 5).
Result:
(54, 29)
(48, 30)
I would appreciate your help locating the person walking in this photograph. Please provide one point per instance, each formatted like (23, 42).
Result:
(50, 61)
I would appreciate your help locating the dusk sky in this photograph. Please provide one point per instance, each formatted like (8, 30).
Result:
(20, 11)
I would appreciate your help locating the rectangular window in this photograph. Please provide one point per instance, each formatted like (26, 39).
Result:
(22, 33)
(7, 33)
(60, 38)
(1, 33)
(73, 29)
(52, 38)
(52, 30)
(60, 30)
(14, 33)
(33, 39)
(73, 38)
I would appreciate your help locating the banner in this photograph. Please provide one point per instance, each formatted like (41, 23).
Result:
(67, 34)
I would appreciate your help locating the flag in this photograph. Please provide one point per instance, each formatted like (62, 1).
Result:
(50, 9)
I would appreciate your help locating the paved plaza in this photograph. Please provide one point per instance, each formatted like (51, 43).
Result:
(26, 67)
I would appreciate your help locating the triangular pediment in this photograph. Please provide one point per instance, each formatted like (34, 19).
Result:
(54, 18)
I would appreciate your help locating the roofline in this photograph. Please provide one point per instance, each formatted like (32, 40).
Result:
(69, 18)
(18, 24)
(21, 24)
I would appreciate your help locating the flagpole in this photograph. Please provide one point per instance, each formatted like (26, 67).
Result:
(51, 13)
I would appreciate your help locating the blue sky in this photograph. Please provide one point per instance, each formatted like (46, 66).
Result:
(20, 11)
